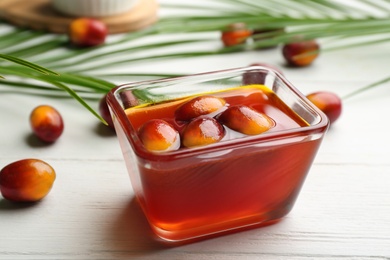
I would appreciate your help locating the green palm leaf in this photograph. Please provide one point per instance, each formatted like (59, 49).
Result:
(49, 62)
(27, 64)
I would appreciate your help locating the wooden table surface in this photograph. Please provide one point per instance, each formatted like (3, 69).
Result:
(342, 212)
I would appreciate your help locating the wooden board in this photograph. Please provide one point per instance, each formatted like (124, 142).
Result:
(40, 15)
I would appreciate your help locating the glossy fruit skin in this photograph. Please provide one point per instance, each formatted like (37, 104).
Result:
(257, 77)
(235, 34)
(291, 50)
(26, 180)
(327, 102)
(201, 131)
(246, 120)
(46, 123)
(104, 112)
(157, 135)
(203, 105)
(87, 32)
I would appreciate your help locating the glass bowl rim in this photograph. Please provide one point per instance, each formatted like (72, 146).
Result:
(117, 110)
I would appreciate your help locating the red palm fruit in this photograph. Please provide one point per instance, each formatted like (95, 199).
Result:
(246, 120)
(27, 180)
(158, 135)
(46, 123)
(202, 105)
(301, 53)
(201, 131)
(236, 33)
(260, 34)
(128, 99)
(87, 32)
(327, 102)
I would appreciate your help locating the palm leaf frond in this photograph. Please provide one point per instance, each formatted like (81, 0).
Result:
(28, 64)
(340, 25)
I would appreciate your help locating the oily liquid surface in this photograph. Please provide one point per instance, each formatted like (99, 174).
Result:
(257, 97)
(196, 196)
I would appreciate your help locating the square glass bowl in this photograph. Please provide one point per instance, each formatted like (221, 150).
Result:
(239, 182)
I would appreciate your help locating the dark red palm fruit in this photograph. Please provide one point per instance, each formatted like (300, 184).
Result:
(301, 53)
(46, 123)
(327, 102)
(235, 34)
(27, 180)
(201, 131)
(87, 32)
(158, 135)
(198, 106)
(246, 120)
(260, 34)
(128, 99)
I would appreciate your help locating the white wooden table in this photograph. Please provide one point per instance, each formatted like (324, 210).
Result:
(343, 211)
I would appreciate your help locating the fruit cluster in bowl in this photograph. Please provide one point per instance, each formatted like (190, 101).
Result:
(211, 117)
(216, 152)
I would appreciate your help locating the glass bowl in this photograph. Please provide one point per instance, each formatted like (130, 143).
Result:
(239, 182)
